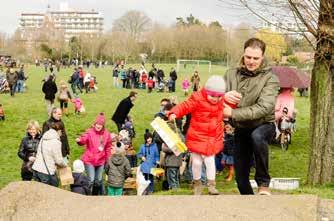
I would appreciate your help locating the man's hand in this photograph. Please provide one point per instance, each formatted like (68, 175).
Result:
(143, 158)
(232, 97)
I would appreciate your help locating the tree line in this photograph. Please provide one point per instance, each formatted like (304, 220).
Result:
(134, 33)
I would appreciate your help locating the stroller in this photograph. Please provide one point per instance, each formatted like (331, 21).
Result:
(4, 88)
(286, 126)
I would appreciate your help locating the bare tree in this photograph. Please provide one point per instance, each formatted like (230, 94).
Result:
(133, 23)
(314, 18)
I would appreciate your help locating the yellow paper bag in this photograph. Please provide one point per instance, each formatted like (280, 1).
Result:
(172, 139)
(65, 176)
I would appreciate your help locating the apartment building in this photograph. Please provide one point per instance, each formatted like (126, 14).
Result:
(67, 21)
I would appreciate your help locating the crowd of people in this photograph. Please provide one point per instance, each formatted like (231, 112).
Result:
(154, 79)
(12, 80)
(226, 123)
(68, 63)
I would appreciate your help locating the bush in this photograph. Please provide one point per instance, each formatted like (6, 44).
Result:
(293, 60)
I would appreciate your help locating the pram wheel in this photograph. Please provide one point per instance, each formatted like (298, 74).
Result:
(285, 140)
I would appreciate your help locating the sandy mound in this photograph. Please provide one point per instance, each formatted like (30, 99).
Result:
(35, 201)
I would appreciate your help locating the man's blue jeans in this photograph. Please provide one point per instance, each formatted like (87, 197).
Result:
(252, 144)
(19, 86)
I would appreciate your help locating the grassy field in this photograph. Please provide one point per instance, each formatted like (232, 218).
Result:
(30, 105)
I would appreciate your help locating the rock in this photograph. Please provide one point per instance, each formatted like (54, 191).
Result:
(36, 201)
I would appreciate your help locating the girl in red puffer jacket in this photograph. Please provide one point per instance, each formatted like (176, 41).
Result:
(204, 138)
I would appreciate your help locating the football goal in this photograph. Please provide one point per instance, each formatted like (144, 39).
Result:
(192, 65)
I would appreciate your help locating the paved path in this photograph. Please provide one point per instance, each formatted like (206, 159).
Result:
(35, 201)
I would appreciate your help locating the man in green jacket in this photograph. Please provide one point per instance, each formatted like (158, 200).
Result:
(250, 101)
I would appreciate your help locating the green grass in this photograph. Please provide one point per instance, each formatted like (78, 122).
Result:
(30, 105)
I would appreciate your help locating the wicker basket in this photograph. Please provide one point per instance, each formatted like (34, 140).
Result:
(130, 183)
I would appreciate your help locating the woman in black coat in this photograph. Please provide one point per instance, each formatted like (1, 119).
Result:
(28, 149)
(55, 117)
(49, 89)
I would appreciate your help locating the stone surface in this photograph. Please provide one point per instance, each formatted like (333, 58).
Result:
(35, 201)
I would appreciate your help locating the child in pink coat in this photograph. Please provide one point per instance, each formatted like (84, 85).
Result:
(78, 105)
(185, 86)
(97, 141)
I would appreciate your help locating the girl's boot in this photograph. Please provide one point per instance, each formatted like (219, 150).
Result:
(65, 111)
(212, 187)
(197, 187)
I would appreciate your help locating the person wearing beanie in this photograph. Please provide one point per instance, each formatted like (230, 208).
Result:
(252, 89)
(81, 182)
(97, 141)
(204, 138)
(117, 169)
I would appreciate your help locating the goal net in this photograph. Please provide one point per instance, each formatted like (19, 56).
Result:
(192, 65)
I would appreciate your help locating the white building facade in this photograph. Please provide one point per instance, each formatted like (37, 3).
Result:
(284, 27)
(69, 22)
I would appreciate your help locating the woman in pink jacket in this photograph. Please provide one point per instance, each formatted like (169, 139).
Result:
(98, 148)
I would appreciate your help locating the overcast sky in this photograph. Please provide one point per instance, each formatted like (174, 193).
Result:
(161, 11)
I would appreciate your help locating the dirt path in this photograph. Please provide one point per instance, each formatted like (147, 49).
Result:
(35, 201)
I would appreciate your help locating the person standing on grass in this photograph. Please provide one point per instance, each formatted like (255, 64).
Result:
(173, 77)
(195, 81)
(252, 91)
(75, 81)
(11, 77)
(55, 117)
(20, 80)
(185, 86)
(81, 77)
(150, 157)
(123, 110)
(49, 89)
(227, 155)
(87, 81)
(97, 141)
(172, 164)
(49, 156)
(81, 182)
(64, 96)
(115, 73)
(28, 149)
(118, 169)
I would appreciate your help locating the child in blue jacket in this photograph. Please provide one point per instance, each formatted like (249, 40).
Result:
(149, 155)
